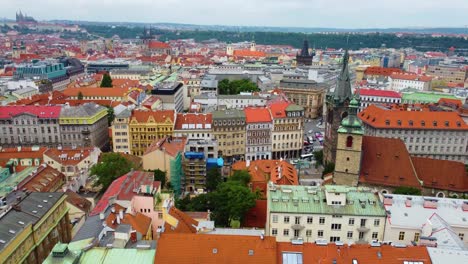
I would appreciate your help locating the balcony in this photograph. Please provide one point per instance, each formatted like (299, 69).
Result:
(297, 227)
(363, 229)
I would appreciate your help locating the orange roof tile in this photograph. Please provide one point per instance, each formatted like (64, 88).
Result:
(378, 117)
(97, 92)
(386, 161)
(214, 249)
(278, 109)
(183, 121)
(21, 153)
(364, 254)
(410, 77)
(249, 53)
(434, 173)
(159, 116)
(45, 179)
(375, 70)
(78, 201)
(158, 45)
(257, 115)
(185, 223)
(79, 153)
(172, 148)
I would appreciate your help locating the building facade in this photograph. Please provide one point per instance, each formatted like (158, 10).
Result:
(438, 135)
(399, 81)
(147, 126)
(229, 131)
(172, 95)
(193, 126)
(30, 229)
(308, 94)
(84, 126)
(30, 125)
(259, 128)
(121, 130)
(455, 74)
(377, 97)
(288, 130)
(199, 156)
(331, 213)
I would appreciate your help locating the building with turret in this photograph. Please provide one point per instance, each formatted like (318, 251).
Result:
(305, 57)
(20, 18)
(337, 103)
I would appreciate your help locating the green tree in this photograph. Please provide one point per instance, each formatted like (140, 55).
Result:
(213, 178)
(237, 86)
(318, 156)
(407, 190)
(111, 166)
(230, 202)
(160, 175)
(106, 80)
(329, 167)
(80, 95)
(110, 115)
(241, 176)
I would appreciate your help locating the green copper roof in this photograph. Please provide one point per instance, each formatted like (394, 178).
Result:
(312, 200)
(294, 107)
(424, 97)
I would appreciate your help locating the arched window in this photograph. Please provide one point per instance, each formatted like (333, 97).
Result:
(349, 142)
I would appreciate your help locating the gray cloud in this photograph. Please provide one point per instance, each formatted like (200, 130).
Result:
(307, 13)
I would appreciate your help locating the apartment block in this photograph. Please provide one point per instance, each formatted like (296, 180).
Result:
(259, 133)
(288, 130)
(229, 131)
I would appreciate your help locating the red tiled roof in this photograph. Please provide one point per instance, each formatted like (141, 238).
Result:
(377, 117)
(441, 174)
(256, 216)
(363, 254)
(9, 111)
(78, 201)
(111, 191)
(133, 180)
(215, 249)
(73, 155)
(410, 77)
(185, 224)
(20, 153)
(449, 101)
(381, 93)
(249, 53)
(385, 161)
(257, 115)
(183, 121)
(139, 221)
(158, 45)
(172, 148)
(278, 109)
(159, 116)
(45, 179)
(97, 92)
(374, 70)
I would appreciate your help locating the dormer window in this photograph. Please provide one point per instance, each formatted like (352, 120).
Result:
(423, 123)
(410, 122)
(446, 123)
(458, 124)
(387, 122)
(399, 122)
(434, 123)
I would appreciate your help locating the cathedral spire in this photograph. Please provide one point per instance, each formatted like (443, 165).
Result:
(343, 88)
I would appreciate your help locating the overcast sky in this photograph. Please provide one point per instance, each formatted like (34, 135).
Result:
(299, 13)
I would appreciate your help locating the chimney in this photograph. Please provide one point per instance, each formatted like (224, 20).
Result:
(118, 220)
(121, 213)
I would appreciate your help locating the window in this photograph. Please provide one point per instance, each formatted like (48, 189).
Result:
(310, 220)
(322, 220)
(461, 236)
(286, 219)
(351, 221)
(297, 220)
(375, 235)
(350, 234)
(349, 142)
(308, 233)
(334, 239)
(296, 233)
(286, 232)
(275, 219)
(336, 226)
(401, 236)
(320, 233)
(160, 215)
(274, 231)
(416, 237)
(376, 222)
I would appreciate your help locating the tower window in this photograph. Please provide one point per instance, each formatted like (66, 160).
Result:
(349, 142)
(344, 115)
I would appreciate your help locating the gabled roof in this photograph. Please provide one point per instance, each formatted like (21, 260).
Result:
(172, 148)
(185, 224)
(441, 174)
(207, 249)
(385, 161)
(159, 116)
(249, 53)
(158, 45)
(97, 92)
(379, 117)
(278, 109)
(375, 70)
(43, 179)
(69, 156)
(78, 201)
(193, 121)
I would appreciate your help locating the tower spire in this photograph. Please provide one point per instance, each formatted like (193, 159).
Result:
(343, 88)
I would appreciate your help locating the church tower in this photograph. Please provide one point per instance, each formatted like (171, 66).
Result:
(253, 46)
(349, 147)
(229, 50)
(305, 57)
(336, 104)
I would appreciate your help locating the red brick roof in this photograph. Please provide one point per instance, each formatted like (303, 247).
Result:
(45, 179)
(278, 109)
(139, 221)
(172, 148)
(78, 201)
(97, 92)
(193, 121)
(159, 116)
(374, 70)
(364, 254)
(20, 153)
(385, 161)
(380, 93)
(377, 117)
(9, 111)
(441, 174)
(215, 249)
(257, 115)
(73, 155)
(249, 53)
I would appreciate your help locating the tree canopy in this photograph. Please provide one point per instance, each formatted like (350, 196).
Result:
(160, 175)
(407, 190)
(241, 176)
(237, 86)
(110, 167)
(106, 81)
(213, 179)
(80, 95)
